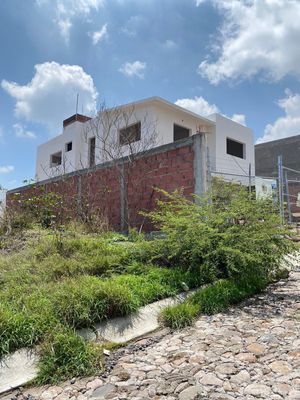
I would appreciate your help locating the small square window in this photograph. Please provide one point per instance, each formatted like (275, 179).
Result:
(180, 132)
(130, 134)
(55, 159)
(68, 146)
(235, 148)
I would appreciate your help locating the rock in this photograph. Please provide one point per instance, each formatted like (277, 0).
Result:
(256, 348)
(246, 357)
(167, 368)
(226, 369)
(190, 393)
(257, 390)
(51, 393)
(242, 376)
(282, 388)
(106, 352)
(62, 396)
(123, 375)
(221, 396)
(102, 391)
(211, 380)
(281, 367)
(94, 384)
(294, 395)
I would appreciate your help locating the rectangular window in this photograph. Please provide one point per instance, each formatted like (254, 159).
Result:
(235, 148)
(68, 146)
(55, 159)
(92, 149)
(130, 134)
(180, 132)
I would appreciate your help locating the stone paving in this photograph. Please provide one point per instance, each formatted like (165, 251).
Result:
(250, 352)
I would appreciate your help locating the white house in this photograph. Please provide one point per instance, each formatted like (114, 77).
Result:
(138, 126)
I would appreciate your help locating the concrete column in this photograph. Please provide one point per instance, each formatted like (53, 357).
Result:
(78, 199)
(123, 223)
(200, 167)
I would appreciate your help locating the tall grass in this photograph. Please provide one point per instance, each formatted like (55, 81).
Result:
(47, 291)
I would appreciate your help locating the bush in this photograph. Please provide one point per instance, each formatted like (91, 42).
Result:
(180, 315)
(228, 234)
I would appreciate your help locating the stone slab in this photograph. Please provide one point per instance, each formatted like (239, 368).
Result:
(17, 369)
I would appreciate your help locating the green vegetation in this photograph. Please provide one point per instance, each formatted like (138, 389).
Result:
(180, 315)
(234, 240)
(59, 284)
(57, 278)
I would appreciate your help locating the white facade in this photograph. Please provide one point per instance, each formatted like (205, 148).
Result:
(157, 118)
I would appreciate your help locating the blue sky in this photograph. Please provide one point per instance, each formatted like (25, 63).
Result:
(240, 58)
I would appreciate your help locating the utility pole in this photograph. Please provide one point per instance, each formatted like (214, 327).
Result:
(280, 189)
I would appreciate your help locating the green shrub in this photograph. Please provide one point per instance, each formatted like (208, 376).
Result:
(180, 315)
(227, 234)
(65, 354)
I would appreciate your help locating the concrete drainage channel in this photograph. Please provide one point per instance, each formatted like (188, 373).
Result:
(20, 367)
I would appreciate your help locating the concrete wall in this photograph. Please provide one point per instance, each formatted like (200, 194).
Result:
(266, 156)
(225, 163)
(70, 160)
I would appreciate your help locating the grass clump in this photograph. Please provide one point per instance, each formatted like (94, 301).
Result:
(65, 355)
(180, 315)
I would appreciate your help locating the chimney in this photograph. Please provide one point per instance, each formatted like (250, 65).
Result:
(74, 118)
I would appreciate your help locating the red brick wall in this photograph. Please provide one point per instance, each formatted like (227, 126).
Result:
(99, 191)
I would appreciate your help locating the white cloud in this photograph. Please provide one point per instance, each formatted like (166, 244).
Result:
(239, 118)
(6, 169)
(170, 44)
(133, 25)
(198, 105)
(50, 96)
(21, 132)
(289, 124)
(97, 36)
(256, 37)
(202, 107)
(67, 10)
(136, 68)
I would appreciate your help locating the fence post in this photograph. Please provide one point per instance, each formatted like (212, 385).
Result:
(250, 183)
(280, 189)
(287, 193)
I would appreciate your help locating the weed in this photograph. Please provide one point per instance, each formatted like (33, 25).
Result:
(180, 315)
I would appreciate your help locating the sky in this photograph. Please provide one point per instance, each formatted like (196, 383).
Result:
(237, 57)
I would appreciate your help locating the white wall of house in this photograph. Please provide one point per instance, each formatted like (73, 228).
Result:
(70, 160)
(227, 164)
(157, 118)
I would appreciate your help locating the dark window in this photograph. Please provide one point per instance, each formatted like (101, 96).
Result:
(130, 134)
(92, 148)
(235, 148)
(68, 146)
(180, 132)
(55, 159)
